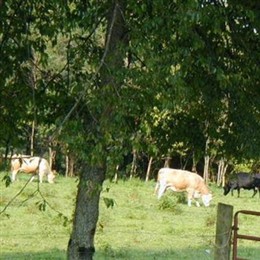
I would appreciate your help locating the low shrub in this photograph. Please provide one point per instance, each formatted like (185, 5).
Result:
(170, 203)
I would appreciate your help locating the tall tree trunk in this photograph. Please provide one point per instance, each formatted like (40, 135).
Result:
(148, 172)
(81, 243)
(134, 166)
(206, 169)
(222, 167)
(50, 157)
(32, 83)
(206, 162)
(71, 165)
(69, 161)
(194, 163)
(31, 80)
(67, 165)
(167, 161)
(116, 174)
(224, 175)
(32, 138)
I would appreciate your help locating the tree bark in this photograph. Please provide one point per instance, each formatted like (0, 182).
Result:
(67, 165)
(134, 166)
(206, 169)
(167, 162)
(194, 163)
(222, 168)
(206, 162)
(148, 172)
(81, 243)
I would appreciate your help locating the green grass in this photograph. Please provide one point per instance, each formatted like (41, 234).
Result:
(137, 227)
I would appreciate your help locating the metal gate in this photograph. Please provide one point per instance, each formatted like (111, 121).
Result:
(237, 236)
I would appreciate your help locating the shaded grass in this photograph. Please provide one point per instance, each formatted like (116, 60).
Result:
(52, 255)
(137, 227)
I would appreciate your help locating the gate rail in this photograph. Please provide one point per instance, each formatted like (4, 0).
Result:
(240, 236)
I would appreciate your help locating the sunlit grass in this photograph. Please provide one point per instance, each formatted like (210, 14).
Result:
(137, 227)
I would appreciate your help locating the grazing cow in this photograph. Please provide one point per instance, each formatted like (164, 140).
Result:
(33, 165)
(181, 180)
(243, 180)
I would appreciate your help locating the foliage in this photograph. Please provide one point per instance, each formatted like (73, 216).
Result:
(170, 203)
(247, 166)
(7, 180)
(186, 60)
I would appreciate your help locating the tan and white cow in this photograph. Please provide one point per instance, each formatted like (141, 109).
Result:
(33, 165)
(181, 180)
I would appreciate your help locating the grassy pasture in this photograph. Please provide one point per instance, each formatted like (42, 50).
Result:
(137, 227)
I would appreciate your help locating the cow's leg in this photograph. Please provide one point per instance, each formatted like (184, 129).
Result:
(196, 196)
(197, 204)
(238, 192)
(32, 178)
(40, 176)
(156, 187)
(190, 196)
(255, 191)
(161, 191)
(196, 201)
(14, 173)
(162, 188)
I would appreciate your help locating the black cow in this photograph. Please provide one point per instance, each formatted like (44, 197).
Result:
(243, 180)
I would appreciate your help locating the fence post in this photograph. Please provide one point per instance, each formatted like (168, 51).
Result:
(223, 232)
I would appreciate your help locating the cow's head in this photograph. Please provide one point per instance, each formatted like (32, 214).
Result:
(51, 177)
(227, 188)
(206, 199)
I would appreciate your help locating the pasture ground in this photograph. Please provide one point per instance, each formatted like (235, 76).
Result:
(137, 227)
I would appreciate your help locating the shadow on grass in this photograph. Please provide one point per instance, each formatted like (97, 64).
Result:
(132, 254)
(189, 253)
(107, 254)
(54, 254)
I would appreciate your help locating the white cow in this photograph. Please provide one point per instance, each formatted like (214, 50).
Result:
(33, 165)
(181, 180)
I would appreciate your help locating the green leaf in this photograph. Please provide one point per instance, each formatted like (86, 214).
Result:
(41, 205)
(7, 180)
(109, 202)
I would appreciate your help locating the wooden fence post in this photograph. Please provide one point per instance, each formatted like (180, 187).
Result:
(223, 232)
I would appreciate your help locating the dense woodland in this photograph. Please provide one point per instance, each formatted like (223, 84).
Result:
(129, 86)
